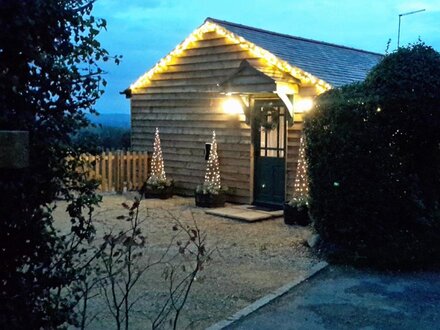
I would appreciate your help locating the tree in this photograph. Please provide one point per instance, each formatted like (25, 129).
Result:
(212, 175)
(50, 77)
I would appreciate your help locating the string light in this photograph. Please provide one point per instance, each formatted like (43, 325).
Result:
(301, 186)
(157, 165)
(196, 35)
(212, 175)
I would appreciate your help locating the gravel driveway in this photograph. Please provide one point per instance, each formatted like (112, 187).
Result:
(250, 259)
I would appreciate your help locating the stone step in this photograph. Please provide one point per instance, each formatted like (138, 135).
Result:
(246, 213)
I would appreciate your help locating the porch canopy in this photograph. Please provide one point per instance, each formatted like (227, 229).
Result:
(256, 77)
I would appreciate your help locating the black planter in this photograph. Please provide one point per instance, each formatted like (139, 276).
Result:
(296, 216)
(154, 192)
(210, 200)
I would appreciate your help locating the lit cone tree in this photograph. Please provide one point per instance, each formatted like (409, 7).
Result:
(157, 166)
(212, 176)
(301, 186)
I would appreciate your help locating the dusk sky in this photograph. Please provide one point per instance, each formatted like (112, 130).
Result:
(144, 31)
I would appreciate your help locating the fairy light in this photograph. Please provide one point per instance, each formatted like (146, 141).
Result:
(301, 185)
(255, 50)
(157, 165)
(212, 175)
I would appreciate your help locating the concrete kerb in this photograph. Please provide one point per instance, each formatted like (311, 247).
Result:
(268, 298)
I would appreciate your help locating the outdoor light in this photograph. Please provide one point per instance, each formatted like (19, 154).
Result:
(232, 106)
(255, 50)
(303, 105)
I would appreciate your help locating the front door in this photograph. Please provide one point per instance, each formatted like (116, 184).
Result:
(269, 137)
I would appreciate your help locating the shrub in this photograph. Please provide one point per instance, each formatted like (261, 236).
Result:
(374, 162)
(51, 76)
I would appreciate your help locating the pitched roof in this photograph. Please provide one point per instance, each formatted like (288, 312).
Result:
(335, 64)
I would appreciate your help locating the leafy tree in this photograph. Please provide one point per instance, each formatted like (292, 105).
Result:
(50, 77)
(374, 162)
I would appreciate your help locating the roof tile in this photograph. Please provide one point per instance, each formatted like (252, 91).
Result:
(335, 64)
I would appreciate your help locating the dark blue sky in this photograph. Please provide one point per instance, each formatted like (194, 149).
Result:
(143, 31)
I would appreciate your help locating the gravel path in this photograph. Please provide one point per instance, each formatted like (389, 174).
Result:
(250, 259)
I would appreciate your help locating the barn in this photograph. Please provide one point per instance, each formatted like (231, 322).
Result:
(252, 87)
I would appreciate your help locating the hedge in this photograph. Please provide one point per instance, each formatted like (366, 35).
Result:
(373, 151)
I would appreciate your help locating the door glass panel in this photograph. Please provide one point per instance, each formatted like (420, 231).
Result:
(282, 131)
(272, 131)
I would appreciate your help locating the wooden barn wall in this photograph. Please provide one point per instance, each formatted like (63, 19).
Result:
(184, 102)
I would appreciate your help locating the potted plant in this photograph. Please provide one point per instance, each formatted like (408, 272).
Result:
(296, 212)
(207, 195)
(157, 185)
(158, 188)
(211, 193)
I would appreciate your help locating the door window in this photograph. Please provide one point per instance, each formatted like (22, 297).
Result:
(272, 130)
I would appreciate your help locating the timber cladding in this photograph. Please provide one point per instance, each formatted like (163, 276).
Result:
(184, 102)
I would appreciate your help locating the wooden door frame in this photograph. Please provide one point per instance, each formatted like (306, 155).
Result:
(252, 99)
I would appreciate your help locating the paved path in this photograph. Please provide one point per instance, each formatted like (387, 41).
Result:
(345, 298)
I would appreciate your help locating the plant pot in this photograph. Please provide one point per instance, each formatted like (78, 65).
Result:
(210, 200)
(164, 192)
(295, 216)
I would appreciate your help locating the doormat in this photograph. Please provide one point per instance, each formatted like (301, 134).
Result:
(243, 213)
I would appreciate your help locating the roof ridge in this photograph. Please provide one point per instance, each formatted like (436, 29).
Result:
(290, 36)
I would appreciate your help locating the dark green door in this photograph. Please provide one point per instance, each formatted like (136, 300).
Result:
(269, 133)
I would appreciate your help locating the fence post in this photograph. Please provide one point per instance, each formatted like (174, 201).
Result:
(134, 170)
(117, 169)
(145, 156)
(128, 170)
(97, 174)
(104, 172)
(122, 170)
(110, 171)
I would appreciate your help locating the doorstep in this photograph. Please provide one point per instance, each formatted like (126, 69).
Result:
(246, 213)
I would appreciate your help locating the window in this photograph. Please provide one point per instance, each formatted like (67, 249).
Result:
(272, 130)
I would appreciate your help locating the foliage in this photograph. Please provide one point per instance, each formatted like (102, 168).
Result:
(156, 183)
(95, 140)
(119, 258)
(50, 76)
(268, 117)
(207, 188)
(374, 162)
(299, 202)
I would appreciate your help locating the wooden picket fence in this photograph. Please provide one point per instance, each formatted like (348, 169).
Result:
(120, 170)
